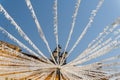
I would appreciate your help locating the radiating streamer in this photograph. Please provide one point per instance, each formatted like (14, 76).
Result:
(18, 42)
(114, 75)
(93, 14)
(39, 76)
(16, 56)
(114, 64)
(55, 8)
(12, 70)
(12, 52)
(77, 74)
(56, 21)
(45, 76)
(100, 40)
(107, 31)
(36, 66)
(65, 75)
(53, 76)
(20, 31)
(39, 27)
(100, 52)
(16, 76)
(86, 74)
(111, 58)
(31, 76)
(72, 26)
(88, 52)
(72, 76)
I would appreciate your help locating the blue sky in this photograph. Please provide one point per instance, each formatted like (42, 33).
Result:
(109, 11)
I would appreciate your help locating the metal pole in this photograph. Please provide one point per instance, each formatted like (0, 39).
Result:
(59, 74)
